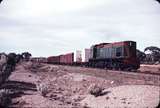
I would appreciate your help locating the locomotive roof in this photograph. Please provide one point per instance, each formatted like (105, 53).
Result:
(102, 44)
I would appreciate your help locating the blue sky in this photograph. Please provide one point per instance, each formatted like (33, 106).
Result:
(59, 26)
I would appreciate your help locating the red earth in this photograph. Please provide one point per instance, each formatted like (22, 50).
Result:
(67, 86)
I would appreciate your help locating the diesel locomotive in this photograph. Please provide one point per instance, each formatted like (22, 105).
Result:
(118, 55)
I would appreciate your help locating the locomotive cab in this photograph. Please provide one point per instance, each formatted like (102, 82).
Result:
(131, 57)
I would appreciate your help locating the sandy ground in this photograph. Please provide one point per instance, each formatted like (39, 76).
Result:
(126, 96)
(68, 87)
(150, 68)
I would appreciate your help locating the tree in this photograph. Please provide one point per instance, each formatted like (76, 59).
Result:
(26, 55)
(3, 61)
(152, 48)
(154, 54)
(11, 59)
(11, 62)
(158, 1)
(141, 55)
(19, 57)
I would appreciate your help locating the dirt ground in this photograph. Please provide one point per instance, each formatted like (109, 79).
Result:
(68, 87)
(150, 68)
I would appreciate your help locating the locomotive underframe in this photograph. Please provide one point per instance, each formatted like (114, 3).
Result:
(111, 63)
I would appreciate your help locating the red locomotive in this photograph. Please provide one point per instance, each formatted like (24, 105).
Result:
(118, 55)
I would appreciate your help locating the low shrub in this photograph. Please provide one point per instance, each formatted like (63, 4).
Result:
(42, 88)
(5, 99)
(95, 90)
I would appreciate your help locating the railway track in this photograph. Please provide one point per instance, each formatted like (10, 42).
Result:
(152, 73)
(133, 71)
(140, 72)
(123, 77)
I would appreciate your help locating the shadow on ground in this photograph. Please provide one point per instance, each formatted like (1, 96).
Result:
(18, 88)
(18, 85)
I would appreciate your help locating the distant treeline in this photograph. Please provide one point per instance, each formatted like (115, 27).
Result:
(8, 63)
(150, 55)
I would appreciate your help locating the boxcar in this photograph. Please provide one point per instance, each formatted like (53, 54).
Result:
(118, 55)
(67, 58)
(53, 59)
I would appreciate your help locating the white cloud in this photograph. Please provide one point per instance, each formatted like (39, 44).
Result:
(53, 27)
(41, 8)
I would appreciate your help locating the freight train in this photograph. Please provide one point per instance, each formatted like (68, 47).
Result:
(117, 55)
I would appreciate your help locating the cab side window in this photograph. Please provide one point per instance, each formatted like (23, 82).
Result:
(118, 51)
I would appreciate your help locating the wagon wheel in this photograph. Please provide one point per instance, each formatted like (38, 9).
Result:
(118, 66)
(122, 67)
(114, 66)
(129, 69)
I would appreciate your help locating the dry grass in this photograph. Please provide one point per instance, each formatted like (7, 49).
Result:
(42, 88)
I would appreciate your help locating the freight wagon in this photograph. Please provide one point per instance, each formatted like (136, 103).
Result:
(65, 59)
(53, 59)
(118, 55)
